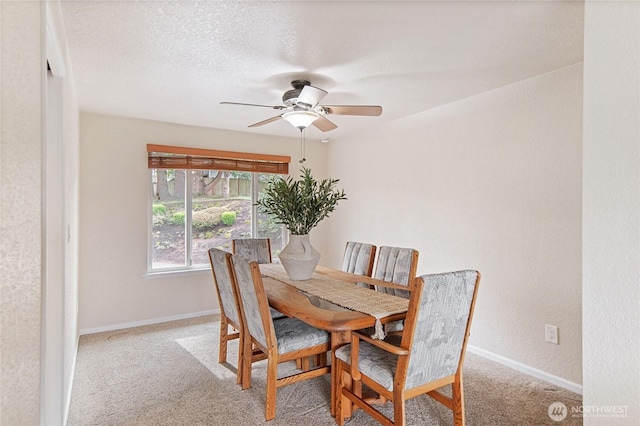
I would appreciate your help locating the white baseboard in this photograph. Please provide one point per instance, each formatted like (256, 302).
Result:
(523, 368)
(147, 322)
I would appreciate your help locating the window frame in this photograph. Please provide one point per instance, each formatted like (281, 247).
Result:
(189, 159)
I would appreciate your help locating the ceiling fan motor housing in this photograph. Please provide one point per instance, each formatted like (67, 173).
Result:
(290, 97)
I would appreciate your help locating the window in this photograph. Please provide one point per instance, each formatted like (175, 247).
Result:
(194, 208)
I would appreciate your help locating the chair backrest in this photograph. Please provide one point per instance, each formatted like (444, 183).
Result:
(437, 326)
(253, 300)
(396, 265)
(253, 249)
(225, 285)
(358, 258)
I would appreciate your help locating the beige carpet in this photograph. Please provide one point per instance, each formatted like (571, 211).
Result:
(168, 374)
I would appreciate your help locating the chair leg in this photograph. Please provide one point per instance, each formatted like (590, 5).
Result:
(340, 400)
(224, 332)
(399, 417)
(239, 376)
(355, 386)
(334, 384)
(272, 371)
(457, 400)
(247, 353)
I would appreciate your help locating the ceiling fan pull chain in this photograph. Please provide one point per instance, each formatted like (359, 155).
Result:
(302, 146)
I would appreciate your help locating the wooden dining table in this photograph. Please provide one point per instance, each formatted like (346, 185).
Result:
(321, 313)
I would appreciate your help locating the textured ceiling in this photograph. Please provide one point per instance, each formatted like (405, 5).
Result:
(176, 61)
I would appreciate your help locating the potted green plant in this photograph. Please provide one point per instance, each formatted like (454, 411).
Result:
(300, 205)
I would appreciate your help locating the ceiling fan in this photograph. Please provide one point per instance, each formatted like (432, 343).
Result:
(301, 108)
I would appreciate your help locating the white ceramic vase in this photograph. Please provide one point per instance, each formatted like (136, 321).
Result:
(299, 258)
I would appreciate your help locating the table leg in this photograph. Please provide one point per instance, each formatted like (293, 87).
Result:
(337, 339)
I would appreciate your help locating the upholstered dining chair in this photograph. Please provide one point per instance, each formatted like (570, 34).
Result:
(398, 266)
(283, 340)
(227, 292)
(395, 265)
(429, 354)
(358, 259)
(229, 306)
(253, 249)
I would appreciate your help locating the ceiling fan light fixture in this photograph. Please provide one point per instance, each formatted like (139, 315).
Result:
(302, 108)
(300, 119)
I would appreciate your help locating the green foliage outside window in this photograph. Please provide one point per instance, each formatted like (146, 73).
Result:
(178, 218)
(159, 209)
(205, 219)
(228, 218)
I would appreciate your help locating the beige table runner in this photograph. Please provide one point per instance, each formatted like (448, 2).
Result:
(348, 295)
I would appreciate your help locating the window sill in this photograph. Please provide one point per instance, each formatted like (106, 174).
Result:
(173, 273)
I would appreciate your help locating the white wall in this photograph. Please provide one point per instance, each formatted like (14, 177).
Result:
(493, 183)
(67, 228)
(21, 72)
(611, 218)
(27, 363)
(114, 218)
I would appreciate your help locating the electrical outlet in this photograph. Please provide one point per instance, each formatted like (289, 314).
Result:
(551, 334)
